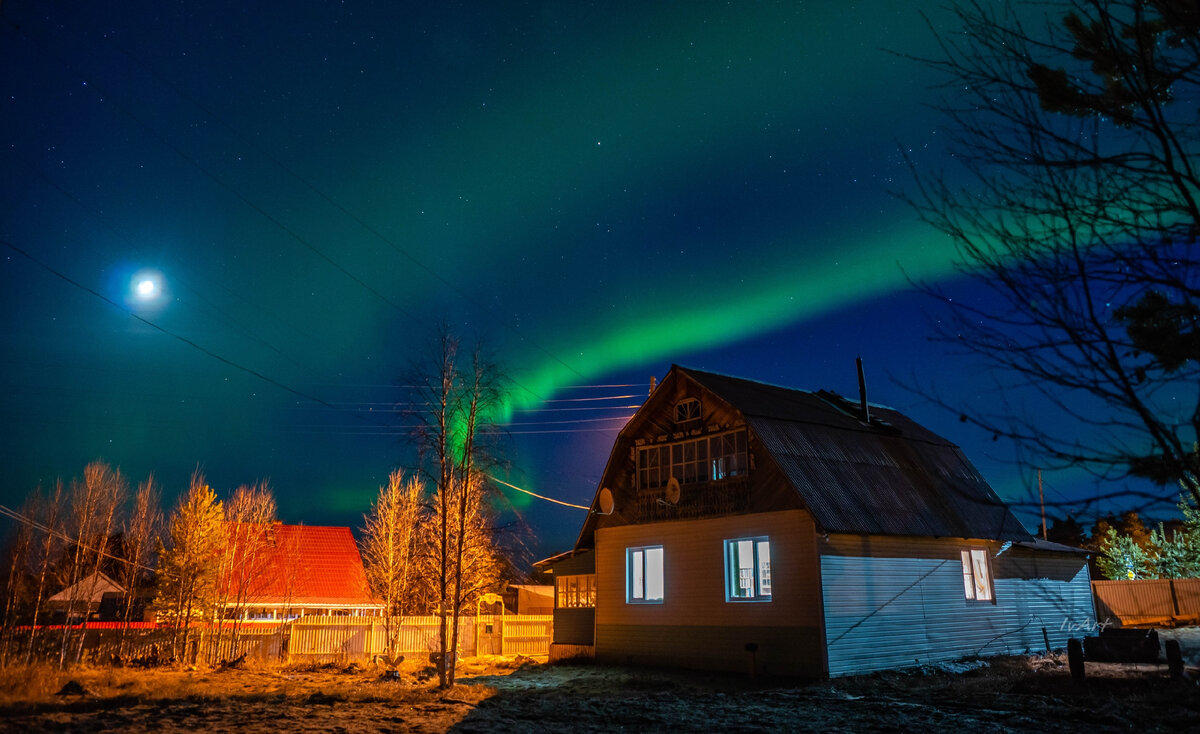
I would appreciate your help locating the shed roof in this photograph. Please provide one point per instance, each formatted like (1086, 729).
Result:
(90, 589)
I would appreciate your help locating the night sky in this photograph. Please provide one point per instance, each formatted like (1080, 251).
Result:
(595, 191)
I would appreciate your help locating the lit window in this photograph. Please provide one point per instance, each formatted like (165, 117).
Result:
(977, 575)
(748, 569)
(575, 592)
(705, 459)
(644, 575)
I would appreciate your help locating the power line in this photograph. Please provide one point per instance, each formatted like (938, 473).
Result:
(19, 517)
(334, 203)
(158, 328)
(534, 494)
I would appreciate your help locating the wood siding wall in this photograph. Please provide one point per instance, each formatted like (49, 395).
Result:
(694, 626)
(892, 602)
(574, 626)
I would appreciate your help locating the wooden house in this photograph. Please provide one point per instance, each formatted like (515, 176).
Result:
(742, 524)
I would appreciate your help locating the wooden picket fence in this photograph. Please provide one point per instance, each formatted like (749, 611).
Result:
(358, 638)
(1142, 602)
(317, 639)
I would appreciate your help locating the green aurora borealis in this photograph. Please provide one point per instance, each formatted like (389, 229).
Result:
(597, 192)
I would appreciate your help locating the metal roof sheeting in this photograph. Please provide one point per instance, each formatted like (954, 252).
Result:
(890, 477)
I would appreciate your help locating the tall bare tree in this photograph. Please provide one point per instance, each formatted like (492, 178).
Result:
(48, 514)
(188, 566)
(454, 456)
(1078, 125)
(389, 548)
(94, 502)
(249, 515)
(20, 548)
(140, 536)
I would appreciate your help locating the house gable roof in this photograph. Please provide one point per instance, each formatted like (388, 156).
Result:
(309, 565)
(890, 476)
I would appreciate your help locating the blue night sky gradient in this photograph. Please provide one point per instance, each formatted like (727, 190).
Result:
(596, 191)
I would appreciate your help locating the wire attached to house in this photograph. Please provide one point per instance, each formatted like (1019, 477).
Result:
(535, 494)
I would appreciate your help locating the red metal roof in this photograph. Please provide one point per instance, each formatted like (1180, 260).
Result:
(304, 565)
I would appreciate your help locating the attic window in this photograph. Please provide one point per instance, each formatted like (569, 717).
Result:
(686, 410)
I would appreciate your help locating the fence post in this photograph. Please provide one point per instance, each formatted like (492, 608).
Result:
(1075, 658)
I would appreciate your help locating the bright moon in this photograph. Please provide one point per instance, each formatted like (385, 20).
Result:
(145, 288)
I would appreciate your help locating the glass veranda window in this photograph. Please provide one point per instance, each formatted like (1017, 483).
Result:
(748, 569)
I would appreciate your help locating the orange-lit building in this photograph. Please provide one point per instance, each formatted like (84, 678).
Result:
(299, 570)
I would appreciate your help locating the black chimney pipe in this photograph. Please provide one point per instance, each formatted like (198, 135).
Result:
(864, 411)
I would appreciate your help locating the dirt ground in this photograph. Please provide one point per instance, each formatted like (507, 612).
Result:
(1016, 694)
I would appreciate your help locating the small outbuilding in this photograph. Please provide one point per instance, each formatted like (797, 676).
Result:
(743, 524)
(82, 600)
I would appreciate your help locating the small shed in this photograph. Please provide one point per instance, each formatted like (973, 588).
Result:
(81, 600)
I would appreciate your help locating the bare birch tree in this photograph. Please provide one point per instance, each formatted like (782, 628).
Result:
(141, 537)
(249, 515)
(48, 514)
(94, 503)
(457, 404)
(20, 549)
(389, 547)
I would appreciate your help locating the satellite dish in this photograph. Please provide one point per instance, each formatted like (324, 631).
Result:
(672, 493)
(605, 502)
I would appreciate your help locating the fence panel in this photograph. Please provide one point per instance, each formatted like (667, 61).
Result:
(1147, 601)
(527, 634)
(1187, 598)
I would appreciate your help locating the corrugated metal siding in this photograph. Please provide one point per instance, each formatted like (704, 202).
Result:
(897, 602)
(1187, 594)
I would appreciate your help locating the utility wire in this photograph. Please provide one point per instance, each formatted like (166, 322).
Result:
(535, 494)
(333, 202)
(255, 373)
(19, 517)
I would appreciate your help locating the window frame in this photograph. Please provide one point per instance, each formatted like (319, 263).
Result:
(632, 562)
(712, 457)
(575, 591)
(756, 543)
(968, 558)
(685, 412)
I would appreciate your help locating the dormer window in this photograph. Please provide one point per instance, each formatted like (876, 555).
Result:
(686, 410)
